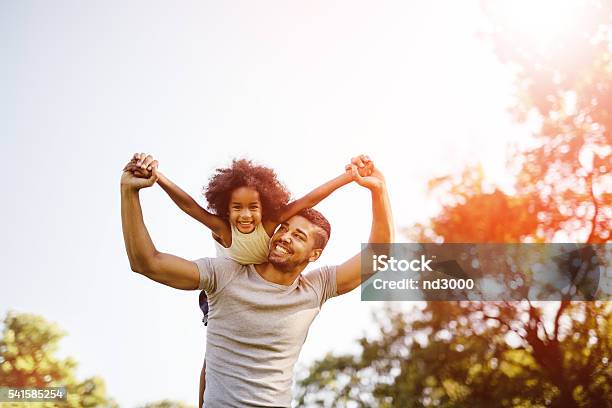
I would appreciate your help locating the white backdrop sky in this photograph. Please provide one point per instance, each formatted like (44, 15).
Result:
(299, 86)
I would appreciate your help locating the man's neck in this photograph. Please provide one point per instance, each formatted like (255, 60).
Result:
(270, 273)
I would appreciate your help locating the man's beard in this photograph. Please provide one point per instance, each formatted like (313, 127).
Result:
(285, 265)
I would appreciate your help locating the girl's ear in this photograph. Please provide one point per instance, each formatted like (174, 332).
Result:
(315, 254)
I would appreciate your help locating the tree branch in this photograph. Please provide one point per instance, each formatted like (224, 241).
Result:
(564, 304)
(591, 237)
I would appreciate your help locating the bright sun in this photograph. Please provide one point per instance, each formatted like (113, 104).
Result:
(541, 21)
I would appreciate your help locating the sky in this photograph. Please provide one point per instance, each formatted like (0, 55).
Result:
(298, 86)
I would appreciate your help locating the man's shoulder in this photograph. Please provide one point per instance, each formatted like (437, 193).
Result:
(323, 282)
(218, 267)
(215, 273)
(219, 262)
(325, 272)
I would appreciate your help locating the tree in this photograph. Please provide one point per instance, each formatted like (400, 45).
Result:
(28, 358)
(482, 354)
(518, 354)
(472, 211)
(477, 354)
(565, 82)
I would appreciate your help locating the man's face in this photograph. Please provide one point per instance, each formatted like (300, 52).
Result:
(293, 244)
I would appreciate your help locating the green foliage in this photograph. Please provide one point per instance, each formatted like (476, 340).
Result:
(477, 354)
(28, 358)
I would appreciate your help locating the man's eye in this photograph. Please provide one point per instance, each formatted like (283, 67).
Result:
(298, 236)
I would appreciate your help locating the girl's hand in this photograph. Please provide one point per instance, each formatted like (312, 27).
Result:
(141, 165)
(130, 181)
(363, 163)
(364, 173)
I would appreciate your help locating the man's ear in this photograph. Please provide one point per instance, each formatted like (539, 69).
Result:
(315, 254)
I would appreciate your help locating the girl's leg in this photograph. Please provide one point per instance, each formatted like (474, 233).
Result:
(203, 300)
(202, 385)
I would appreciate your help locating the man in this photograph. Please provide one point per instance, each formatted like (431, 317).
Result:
(260, 314)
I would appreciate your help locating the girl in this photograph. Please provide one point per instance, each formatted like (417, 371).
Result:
(246, 203)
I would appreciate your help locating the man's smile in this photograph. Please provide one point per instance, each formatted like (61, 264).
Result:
(282, 249)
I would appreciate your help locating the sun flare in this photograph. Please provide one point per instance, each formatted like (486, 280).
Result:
(543, 22)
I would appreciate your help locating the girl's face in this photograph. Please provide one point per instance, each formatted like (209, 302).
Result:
(245, 209)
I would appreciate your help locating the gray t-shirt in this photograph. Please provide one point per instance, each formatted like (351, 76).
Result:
(256, 330)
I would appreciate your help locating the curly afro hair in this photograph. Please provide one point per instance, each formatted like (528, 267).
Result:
(243, 173)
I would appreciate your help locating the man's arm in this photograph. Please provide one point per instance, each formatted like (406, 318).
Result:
(348, 275)
(144, 257)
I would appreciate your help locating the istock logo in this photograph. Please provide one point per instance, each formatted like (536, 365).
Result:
(382, 263)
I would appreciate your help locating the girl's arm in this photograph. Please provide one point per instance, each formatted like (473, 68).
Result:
(186, 203)
(310, 200)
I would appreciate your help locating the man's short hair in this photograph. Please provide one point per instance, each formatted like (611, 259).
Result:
(323, 232)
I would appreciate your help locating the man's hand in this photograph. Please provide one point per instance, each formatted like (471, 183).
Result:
(364, 173)
(140, 172)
